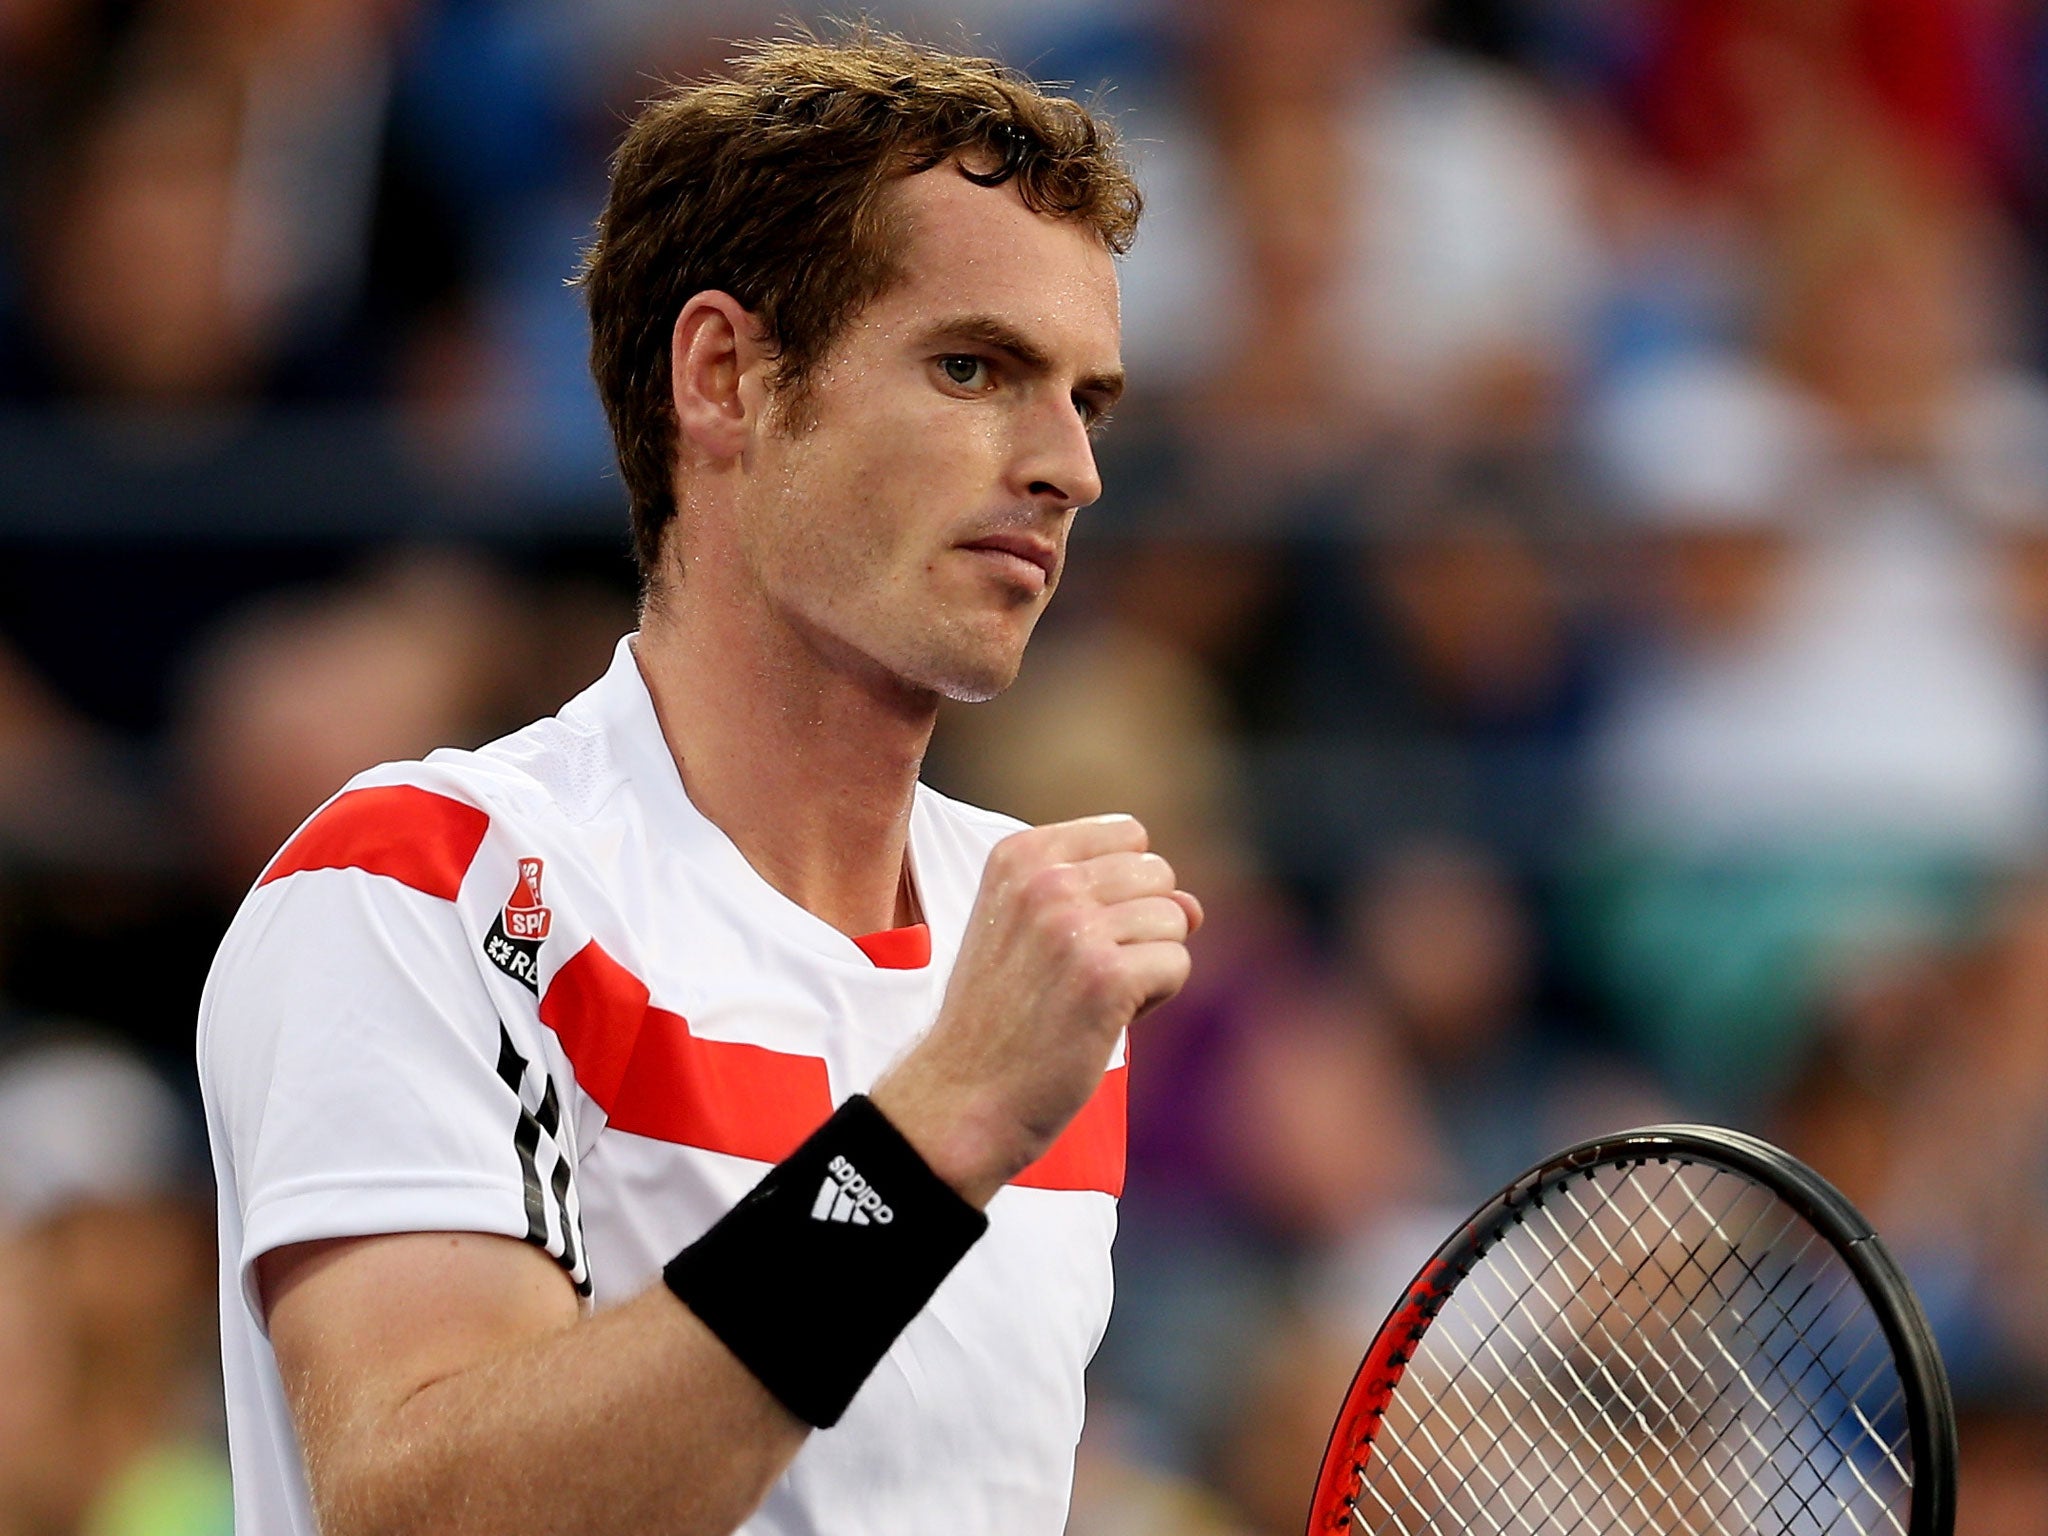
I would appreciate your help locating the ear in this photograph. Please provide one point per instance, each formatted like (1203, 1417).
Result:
(718, 360)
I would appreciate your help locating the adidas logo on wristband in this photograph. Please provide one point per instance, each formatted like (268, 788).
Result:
(846, 1196)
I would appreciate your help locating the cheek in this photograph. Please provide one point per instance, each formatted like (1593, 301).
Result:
(908, 486)
(879, 483)
(835, 511)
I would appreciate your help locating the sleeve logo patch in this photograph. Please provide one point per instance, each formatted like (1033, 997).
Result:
(525, 917)
(513, 944)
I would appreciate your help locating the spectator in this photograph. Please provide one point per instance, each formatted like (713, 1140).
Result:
(2002, 1482)
(229, 225)
(1407, 245)
(61, 797)
(1837, 723)
(290, 699)
(1444, 947)
(1749, 89)
(39, 1492)
(1928, 1099)
(118, 1397)
(134, 301)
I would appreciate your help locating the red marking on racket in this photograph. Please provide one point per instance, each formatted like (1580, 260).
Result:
(1373, 1388)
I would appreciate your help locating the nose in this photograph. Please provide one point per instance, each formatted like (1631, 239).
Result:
(1055, 460)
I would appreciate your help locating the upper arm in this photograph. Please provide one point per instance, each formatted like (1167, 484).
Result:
(366, 1071)
(361, 1326)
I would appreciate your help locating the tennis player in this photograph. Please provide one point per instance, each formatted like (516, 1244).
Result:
(673, 1117)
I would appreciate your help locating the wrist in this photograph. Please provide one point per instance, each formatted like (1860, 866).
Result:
(854, 1208)
(960, 1138)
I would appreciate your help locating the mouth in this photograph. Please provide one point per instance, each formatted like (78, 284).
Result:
(1024, 559)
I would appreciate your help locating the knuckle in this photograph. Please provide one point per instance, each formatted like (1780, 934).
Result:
(1124, 827)
(1013, 853)
(1101, 973)
(1054, 885)
(1173, 918)
(1102, 984)
(1171, 974)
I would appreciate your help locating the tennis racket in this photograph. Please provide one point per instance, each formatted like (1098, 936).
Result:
(1674, 1331)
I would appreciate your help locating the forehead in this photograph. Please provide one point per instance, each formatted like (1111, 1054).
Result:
(974, 250)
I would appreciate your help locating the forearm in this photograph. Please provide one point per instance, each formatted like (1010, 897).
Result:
(445, 1382)
(636, 1421)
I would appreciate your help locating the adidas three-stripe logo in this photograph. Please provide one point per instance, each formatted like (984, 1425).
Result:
(846, 1196)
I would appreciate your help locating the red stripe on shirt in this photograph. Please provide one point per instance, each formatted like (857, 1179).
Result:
(1090, 1151)
(899, 949)
(413, 835)
(652, 1077)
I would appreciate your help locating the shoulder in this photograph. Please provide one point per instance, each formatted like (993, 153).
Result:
(413, 826)
(423, 822)
(396, 887)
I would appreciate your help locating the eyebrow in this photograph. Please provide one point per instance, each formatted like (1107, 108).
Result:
(1000, 336)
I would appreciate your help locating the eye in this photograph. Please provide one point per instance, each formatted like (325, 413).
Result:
(965, 370)
(1094, 412)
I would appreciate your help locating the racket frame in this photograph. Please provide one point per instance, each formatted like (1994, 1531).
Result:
(1930, 1410)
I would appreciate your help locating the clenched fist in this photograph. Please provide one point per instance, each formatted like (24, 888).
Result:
(1078, 928)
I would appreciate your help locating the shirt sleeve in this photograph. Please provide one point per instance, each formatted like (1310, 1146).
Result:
(365, 1075)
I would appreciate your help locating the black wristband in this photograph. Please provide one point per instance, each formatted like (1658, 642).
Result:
(811, 1277)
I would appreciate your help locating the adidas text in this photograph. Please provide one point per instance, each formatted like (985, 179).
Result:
(846, 1196)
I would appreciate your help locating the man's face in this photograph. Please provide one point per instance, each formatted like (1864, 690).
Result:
(916, 517)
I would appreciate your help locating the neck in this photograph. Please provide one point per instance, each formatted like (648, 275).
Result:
(806, 760)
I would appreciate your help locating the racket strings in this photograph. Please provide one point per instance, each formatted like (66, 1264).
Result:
(1586, 1474)
(1613, 1383)
(1643, 1379)
(1699, 1497)
(1658, 1349)
(1585, 1471)
(1500, 1320)
(1831, 1368)
(1774, 1363)
(1739, 1375)
(1832, 1379)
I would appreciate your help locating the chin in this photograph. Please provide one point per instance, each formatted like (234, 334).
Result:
(966, 679)
(969, 663)
(976, 692)
(971, 684)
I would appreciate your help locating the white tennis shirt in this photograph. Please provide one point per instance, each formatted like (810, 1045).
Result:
(529, 990)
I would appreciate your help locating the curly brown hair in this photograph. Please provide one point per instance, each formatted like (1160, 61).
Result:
(770, 184)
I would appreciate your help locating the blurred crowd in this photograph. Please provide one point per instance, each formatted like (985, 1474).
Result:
(1572, 596)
